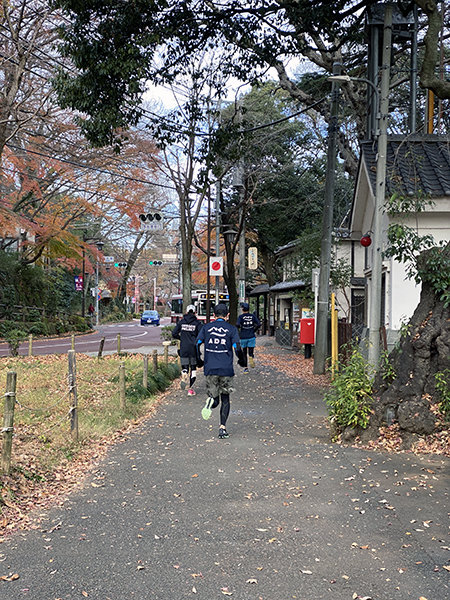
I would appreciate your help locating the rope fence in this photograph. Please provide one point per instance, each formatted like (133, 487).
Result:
(70, 396)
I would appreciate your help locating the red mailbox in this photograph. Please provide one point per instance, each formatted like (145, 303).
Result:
(306, 331)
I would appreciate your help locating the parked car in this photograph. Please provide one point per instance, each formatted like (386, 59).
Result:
(150, 317)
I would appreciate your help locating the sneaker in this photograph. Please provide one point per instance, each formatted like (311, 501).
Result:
(223, 433)
(206, 410)
(191, 392)
(246, 370)
(184, 379)
(251, 360)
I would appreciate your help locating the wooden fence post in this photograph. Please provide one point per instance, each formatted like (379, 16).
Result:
(178, 353)
(118, 343)
(8, 420)
(155, 360)
(73, 394)
(166, 352)
(30, 345)
(100, 348)
(73, 341)
(145, 372)
(122, 385)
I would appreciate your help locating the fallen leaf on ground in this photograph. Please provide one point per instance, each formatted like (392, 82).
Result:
(226, 592)
(11, 577)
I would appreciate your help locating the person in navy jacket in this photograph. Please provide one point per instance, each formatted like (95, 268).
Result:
(248, 324)
(221, 341)
(186, 330)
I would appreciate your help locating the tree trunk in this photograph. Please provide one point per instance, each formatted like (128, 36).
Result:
(425, 351)
(230, 280)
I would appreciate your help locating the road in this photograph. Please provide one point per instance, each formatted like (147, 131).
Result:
(133, 338)
(275, 512)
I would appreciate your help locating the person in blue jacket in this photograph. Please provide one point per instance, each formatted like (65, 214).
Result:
(221, 341)
(248, 324)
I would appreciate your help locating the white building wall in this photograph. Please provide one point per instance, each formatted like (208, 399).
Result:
(405, 295)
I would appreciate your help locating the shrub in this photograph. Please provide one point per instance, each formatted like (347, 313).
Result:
(166, 333)
(77, 323)
(443, 390)
(39, 329)
(349, 401)
(14, 337)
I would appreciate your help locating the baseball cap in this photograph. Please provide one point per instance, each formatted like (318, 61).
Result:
(245, 305)
(190, 308)
(221, 309)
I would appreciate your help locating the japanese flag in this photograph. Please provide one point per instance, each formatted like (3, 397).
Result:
(216, 266)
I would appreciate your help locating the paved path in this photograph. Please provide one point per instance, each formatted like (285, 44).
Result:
(275, 512)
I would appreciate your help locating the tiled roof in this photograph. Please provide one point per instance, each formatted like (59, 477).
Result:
(285, 286)
(259, 289)
(415, 164)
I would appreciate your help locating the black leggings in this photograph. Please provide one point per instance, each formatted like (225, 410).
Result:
(191, 369)
(251, 352)
(224, 408)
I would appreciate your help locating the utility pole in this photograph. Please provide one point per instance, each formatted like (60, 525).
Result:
(242, 252)
(217, 209)
(380, 191)
(320, 353)
(239, 185)
(208, 256)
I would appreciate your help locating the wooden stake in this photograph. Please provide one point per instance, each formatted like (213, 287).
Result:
(145, 372)
(122, 389)
(100, 348)
(166, 352)
(118, 343)
(8, 420)
(73, 341)
(73, 394)
(155, 360)
(30, 345)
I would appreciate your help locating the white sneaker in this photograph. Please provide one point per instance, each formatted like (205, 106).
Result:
(184, 379)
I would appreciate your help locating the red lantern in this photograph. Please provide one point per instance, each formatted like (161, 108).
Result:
(366, 240)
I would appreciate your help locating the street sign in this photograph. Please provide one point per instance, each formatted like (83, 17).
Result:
(253, 258)
(108, 259)
(152, 226)
(170, 257)
(216, 266)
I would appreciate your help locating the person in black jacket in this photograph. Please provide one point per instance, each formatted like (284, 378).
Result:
(187, 330)
(248, 324)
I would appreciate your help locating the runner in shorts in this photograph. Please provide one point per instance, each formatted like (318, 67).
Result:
(220, 338)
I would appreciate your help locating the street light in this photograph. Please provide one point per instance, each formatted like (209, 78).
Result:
(99, 245)
(347, 79)
(382, 103)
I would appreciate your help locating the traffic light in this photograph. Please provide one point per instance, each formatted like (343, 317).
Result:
(120, 265)
(155, 263)
(149, 217)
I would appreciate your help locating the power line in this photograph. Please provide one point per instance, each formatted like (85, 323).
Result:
(96, 169)
(296, 114)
